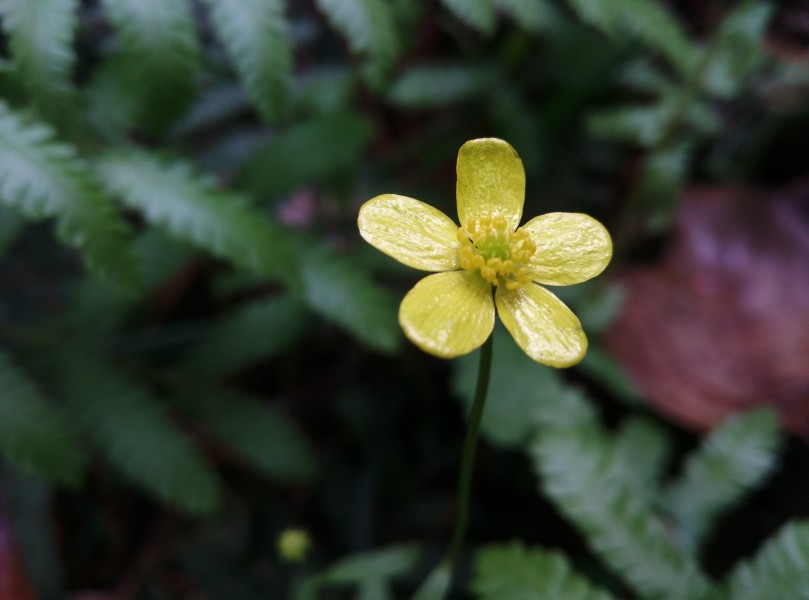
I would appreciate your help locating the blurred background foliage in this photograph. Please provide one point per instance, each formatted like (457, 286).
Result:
(198, 351)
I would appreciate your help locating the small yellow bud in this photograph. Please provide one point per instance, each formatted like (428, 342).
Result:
(294, 544)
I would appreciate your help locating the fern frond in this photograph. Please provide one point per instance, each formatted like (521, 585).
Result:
(535, 16)
(644, 445)
(645, 20)
(737, 48)
(369, 29)
(258, 331)
(731, 461)
(41, 41)
(590, 483)
(256, 36)
(513, 572)
(641, 125)
(134, 433)
(34, 434)
(478, 14)
(188, 206)
(661, 181)
(111, 107)
(41, 177)
(160, 38)
(779, 570)
(430, 86)
(257, 431)
(341, 291)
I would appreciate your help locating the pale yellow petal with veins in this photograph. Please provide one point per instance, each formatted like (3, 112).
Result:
(412, 232)
(448, 314)
(542, 325)
(491, 181)
(570, 248)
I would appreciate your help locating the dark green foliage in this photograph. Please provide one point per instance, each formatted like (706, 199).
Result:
(515, 573)
(209, 158)
(41, 40)
(135, 433)
(34, 434)
(160, 40)
(42, 177)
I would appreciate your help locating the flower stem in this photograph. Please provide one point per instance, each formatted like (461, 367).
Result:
(469, 446)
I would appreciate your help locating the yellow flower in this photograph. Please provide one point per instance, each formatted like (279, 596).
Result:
(451, 312)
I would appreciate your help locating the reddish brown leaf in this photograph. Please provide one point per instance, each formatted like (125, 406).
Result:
(722, 324)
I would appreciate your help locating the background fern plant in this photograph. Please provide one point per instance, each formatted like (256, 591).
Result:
(196, 350)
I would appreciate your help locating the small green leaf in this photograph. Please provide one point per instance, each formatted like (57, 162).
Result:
(737, 48)
(307, 153)
(41, 177)
(369, 28)
(34, 433)
(478, 14)
(731, 461)
(535, 16)
(257, 37)
(437, 584)
(41, 40)
(257, 331)
(376, 565)
(255, 429)
(135, 434)
(515, 573)
(432, 86)
(160, 39)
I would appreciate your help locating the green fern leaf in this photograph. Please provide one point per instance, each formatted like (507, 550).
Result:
(779, 570)
(645, 20)
(41, 40)
(111, 108)
(256, 35)
(591, 484)
(515, 573)
(34, 434)
(644, 445)
(661, 181)
(331, 144)
(188, 206)
(133, 431)
(430, 86)
(369, 28)
(535, 16)
(376, 565)
(737, 48)
(478, 14)
(256, 430)
(160, 39)
(259, 331)
(731, 461)
(341, 291)
(41, 177)
(641, 125)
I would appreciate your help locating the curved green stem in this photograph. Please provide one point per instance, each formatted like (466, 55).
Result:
(469, 446)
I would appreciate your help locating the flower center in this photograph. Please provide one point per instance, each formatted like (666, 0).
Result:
(500, 255)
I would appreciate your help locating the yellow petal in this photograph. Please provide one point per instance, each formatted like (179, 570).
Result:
(412, 232)
(571, 248)
(448, 314)
(491, 180)
(542, 325)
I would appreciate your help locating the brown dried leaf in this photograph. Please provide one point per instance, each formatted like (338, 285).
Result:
(723, 323)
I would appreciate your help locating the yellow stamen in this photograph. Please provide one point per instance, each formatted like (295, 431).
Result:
(499, 255)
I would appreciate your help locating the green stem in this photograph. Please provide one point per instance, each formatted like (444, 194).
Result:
(469, 446)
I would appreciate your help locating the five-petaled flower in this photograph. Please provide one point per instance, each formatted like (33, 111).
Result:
(452, 312)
